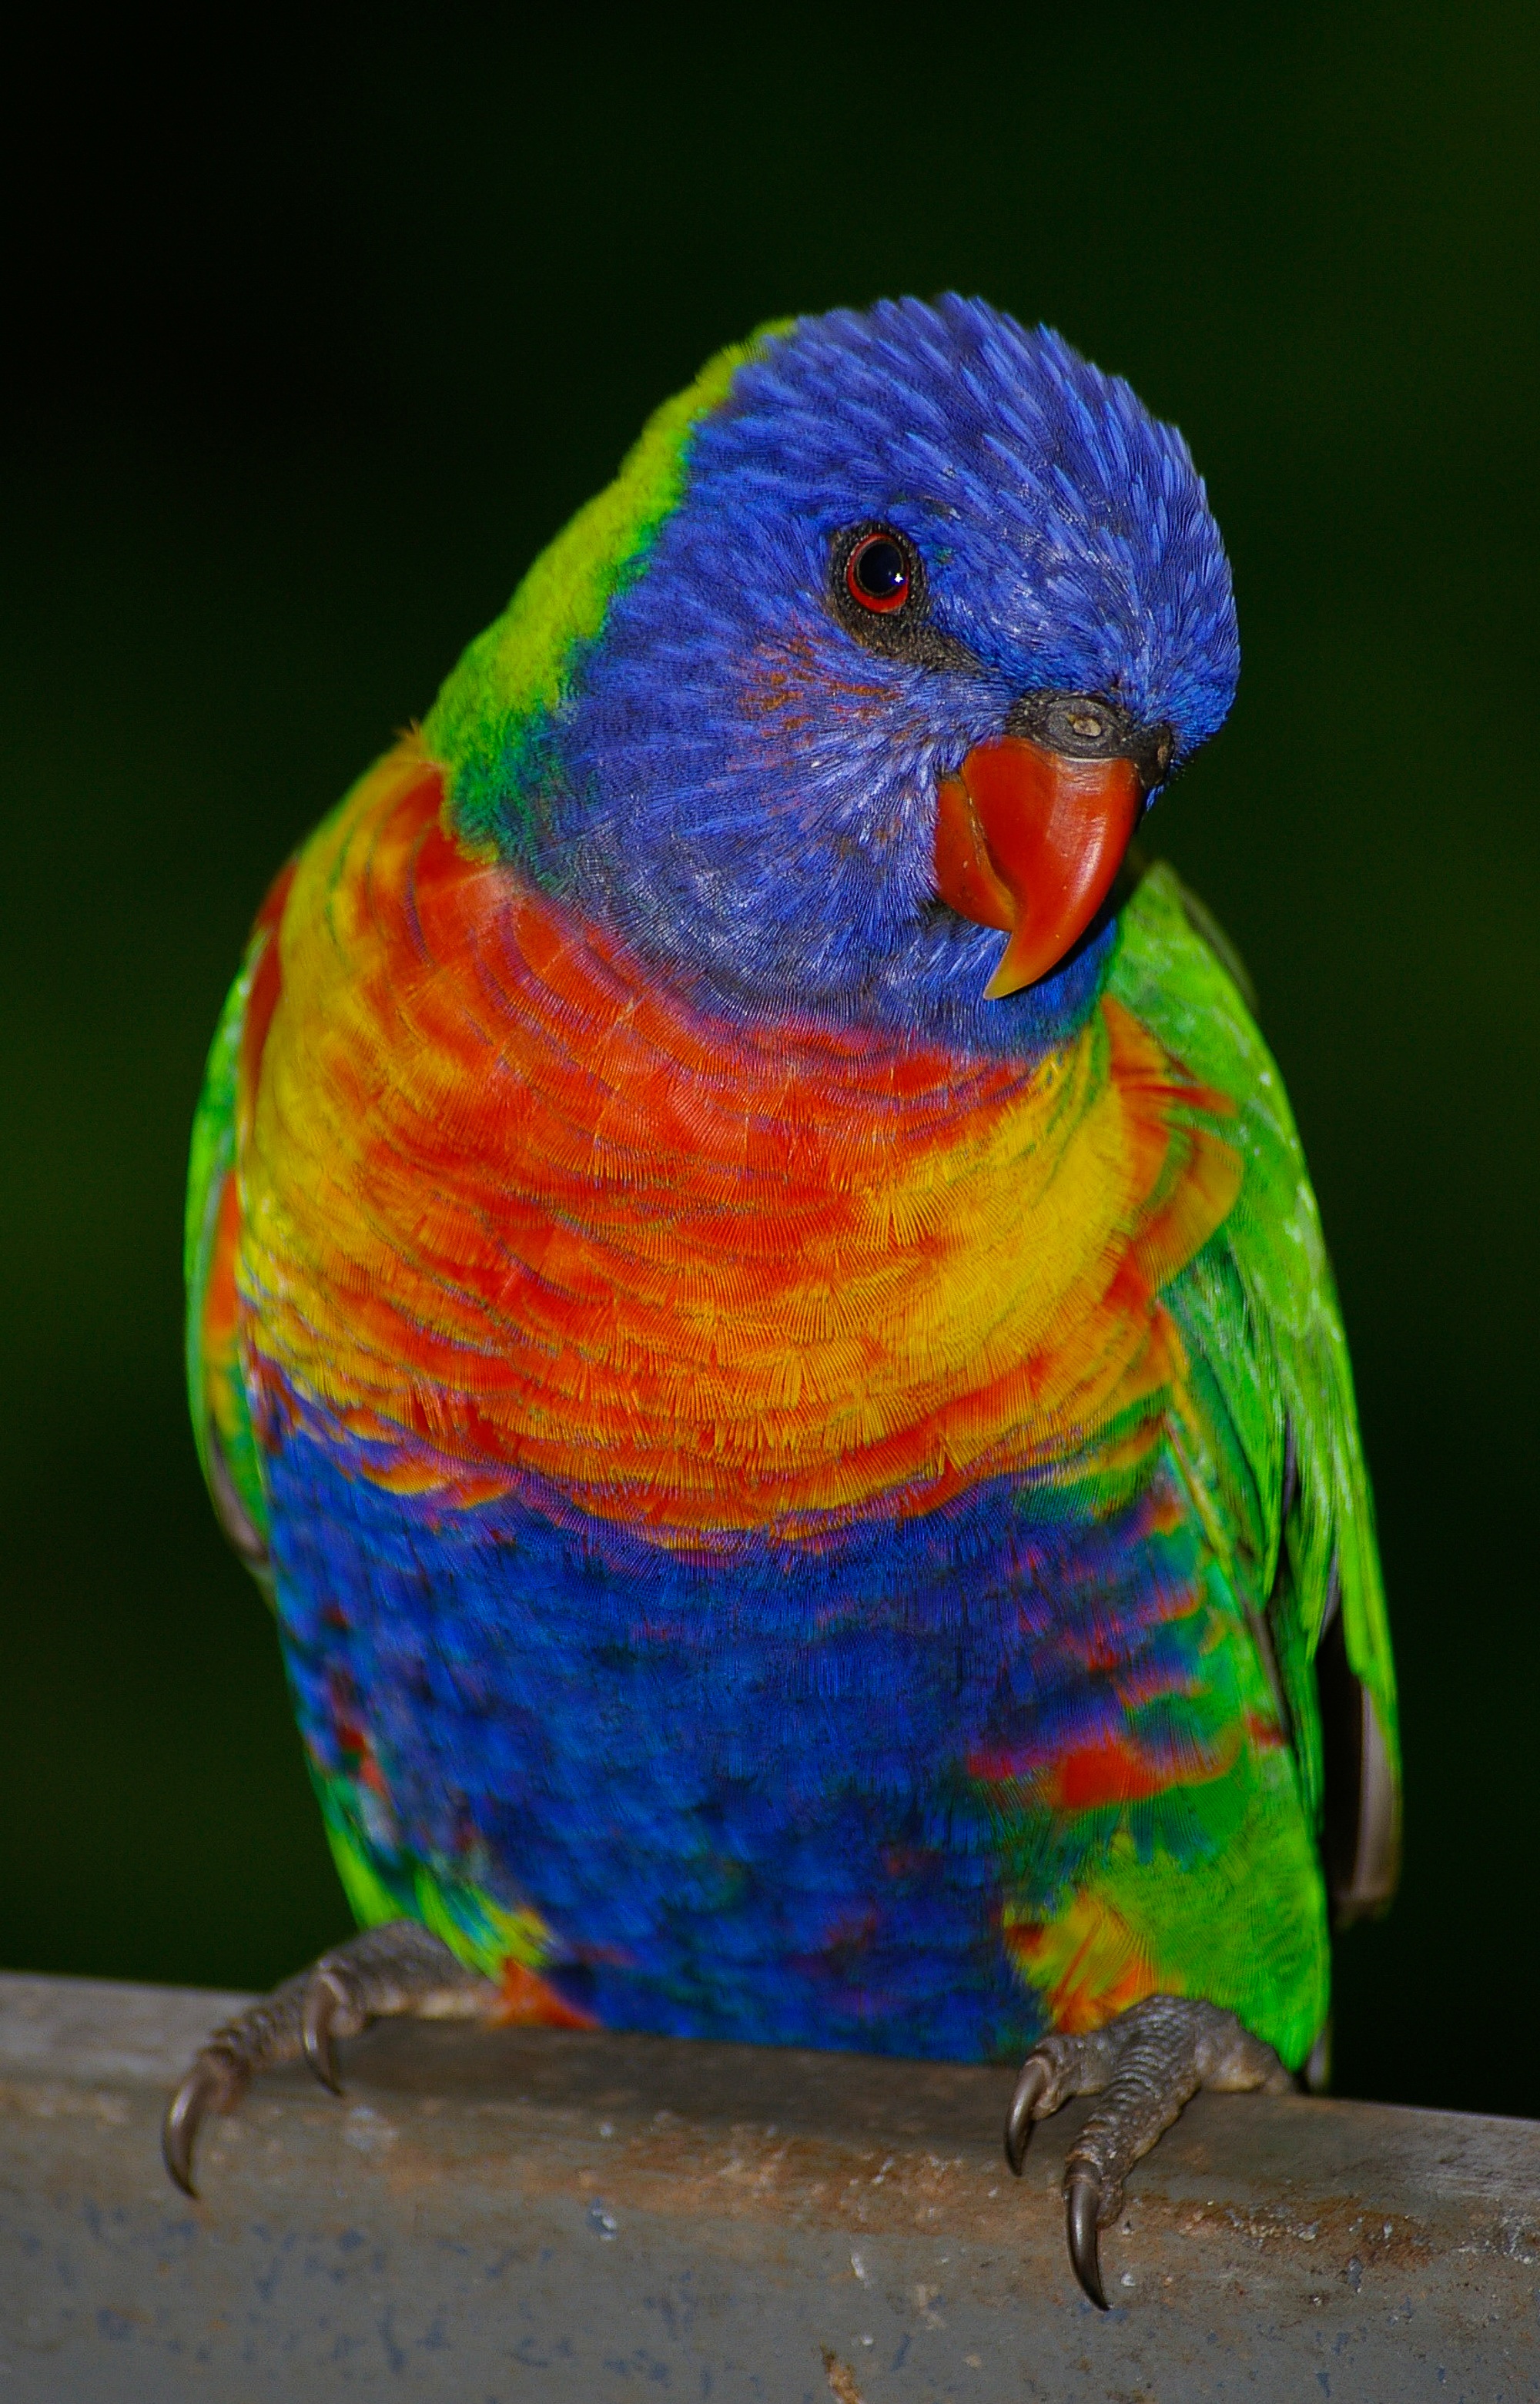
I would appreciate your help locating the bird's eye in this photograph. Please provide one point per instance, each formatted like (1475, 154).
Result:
(876, 574)
(878, 590)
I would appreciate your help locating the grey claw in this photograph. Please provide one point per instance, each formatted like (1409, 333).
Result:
(1018, 2120)
(396, 1969)
(323, 2000)
(209, 2082)
(1083, 2204)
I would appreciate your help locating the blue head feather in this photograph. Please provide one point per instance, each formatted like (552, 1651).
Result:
(747, 792)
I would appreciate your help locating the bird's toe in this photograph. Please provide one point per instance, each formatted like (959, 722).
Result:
(396, 1970)
(1145, 2066)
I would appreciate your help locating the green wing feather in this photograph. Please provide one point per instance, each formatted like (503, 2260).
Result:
(221, 1419)
(1276, 1437)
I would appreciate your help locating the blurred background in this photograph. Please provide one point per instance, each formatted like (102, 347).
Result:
(313, 341)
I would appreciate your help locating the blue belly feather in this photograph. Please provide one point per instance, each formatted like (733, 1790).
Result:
(734, 1782)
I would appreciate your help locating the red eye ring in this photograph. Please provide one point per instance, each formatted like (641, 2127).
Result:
(876, 575)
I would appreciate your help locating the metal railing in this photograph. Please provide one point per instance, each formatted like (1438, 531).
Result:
(533, 2214)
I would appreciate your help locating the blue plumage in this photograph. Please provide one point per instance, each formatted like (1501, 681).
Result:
(748, 799)
(749, 1802)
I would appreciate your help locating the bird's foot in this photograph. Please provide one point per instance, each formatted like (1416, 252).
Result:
(1146, 2065)
(397, 1970)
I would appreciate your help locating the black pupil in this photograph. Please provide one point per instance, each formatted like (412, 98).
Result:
(879, 569)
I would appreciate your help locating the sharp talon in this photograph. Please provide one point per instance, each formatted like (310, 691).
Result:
(396, 1969)
(322, 2002)
(180, 2130)
(1083, 2202)
(1018, 2120)
(207, 2082)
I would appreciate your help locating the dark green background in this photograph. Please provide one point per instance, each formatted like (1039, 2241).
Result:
(319, 341)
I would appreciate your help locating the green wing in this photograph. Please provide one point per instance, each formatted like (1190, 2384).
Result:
(221, 1420)
(1275, 1439)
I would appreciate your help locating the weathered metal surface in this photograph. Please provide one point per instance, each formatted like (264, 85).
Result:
(531, 2214)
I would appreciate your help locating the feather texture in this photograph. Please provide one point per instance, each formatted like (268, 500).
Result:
(788, 1520)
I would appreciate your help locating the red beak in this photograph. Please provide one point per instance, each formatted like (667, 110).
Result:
(1030, 840)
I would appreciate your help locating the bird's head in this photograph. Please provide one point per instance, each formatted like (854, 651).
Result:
(854, 694)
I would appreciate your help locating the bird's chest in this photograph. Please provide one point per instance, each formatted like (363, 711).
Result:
(708, 1286)
(520, 1223)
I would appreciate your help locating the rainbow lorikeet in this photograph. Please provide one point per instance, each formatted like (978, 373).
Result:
(755, 1302)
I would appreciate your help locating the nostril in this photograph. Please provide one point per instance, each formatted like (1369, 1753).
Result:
(1076, 725)
(1093, 726)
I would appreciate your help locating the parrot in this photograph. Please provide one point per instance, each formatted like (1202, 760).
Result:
(755, 1305)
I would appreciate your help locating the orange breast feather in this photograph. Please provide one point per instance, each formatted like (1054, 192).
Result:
(512, 1210)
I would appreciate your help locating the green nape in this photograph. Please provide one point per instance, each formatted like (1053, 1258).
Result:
(485, 726)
